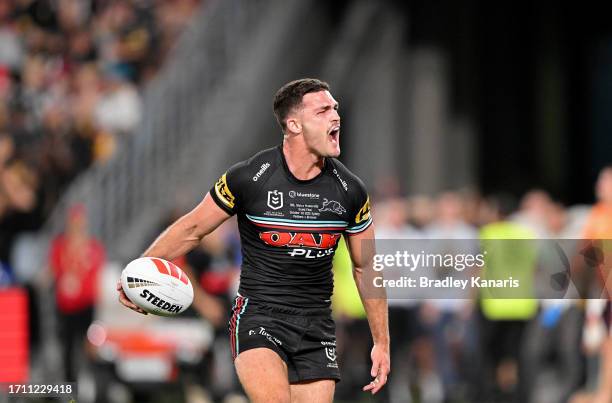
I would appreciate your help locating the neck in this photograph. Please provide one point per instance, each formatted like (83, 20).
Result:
(302, 163)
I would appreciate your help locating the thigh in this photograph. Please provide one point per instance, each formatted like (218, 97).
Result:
(263, 375)
(317, 391)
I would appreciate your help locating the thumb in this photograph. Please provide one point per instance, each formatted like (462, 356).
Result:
(375, 368)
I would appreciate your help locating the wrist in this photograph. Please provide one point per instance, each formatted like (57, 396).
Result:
(382, 343)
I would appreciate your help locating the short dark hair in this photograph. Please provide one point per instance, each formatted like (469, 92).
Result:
(290, 95)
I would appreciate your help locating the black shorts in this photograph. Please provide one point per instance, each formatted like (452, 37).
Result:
(304, 339)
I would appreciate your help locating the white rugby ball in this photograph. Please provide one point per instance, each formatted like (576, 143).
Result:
(158, 286)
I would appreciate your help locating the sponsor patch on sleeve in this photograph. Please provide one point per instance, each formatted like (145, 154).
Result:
(364, 212)
(223, 192)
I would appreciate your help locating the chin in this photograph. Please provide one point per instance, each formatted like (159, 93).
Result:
(334, 153)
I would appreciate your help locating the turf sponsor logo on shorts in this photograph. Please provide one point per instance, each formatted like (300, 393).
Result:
(261, 331)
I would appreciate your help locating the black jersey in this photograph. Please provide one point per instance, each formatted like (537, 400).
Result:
(290, 228)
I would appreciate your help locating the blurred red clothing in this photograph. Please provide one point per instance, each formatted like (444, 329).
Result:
(76, 269)
(599, 223)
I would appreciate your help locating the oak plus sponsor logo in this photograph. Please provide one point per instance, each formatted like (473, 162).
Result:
(300, 239)
(342, 181)
(264, 167)
(275, 199)
(319, 245)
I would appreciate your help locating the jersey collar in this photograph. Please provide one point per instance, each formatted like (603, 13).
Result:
(290, 175)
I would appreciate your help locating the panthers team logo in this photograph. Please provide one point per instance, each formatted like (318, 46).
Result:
(333, 206)
(275, 199)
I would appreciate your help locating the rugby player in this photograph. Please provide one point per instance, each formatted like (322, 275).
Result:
(293, 202)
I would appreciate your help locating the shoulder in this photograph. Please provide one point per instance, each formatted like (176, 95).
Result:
(256, 168)
(244, 179)
(356, 195)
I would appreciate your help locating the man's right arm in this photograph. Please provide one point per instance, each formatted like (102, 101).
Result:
(187, 232)
(181, 237)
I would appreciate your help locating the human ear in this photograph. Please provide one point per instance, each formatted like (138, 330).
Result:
(294, 125)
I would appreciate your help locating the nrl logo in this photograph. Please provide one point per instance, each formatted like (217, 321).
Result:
(330, 353)
(275, 199)
(333, 206)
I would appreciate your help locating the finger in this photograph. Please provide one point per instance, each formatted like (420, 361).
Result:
(381, 379)
(369, 386)
(126, 302)
(372, 386)
(378, 385)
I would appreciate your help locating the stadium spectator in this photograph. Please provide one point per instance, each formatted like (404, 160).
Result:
(551, 347)
(75, 259)
(405, 323)
(512, 252)
(599, 311)
(215, 264)
(448, 318)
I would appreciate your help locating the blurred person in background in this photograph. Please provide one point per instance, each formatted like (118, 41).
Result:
(75, 261)
(19, 202)
(119, 108)
(215, 264)
(534, 212)
(420, 211)
(503, 315)
(352, 329)
(553, 362)
(412, 369)
(598, 322)
(447, 319)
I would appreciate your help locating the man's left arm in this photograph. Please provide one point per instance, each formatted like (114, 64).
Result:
(362, 248)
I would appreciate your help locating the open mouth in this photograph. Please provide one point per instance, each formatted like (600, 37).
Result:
(335, 133)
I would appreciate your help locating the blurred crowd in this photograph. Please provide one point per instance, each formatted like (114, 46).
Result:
(70, 76)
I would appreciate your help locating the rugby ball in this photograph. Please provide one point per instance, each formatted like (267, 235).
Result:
(158, 286)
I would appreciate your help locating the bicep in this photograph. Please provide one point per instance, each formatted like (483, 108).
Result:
(362, 247)
(205, 217)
